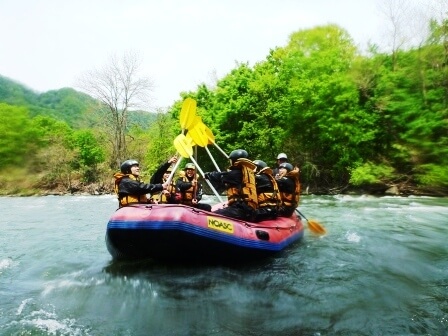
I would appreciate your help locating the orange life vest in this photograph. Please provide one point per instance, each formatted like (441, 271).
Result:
(247, 193)
(124, 200)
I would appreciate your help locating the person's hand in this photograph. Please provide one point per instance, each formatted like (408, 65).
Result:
(165, 186)
(172, 160)
(207, 176)
(194, 201)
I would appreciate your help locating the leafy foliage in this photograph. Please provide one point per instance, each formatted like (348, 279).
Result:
(343, 117)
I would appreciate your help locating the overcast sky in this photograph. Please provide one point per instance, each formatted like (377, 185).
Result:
(48, 44)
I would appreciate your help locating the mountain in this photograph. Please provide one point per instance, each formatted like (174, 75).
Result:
(73, 107)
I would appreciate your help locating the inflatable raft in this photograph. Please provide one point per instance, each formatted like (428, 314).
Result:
(179, 232)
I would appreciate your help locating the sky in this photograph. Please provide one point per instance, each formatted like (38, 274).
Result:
(48, 44)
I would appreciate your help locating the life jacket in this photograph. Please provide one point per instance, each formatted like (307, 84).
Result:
(124, 199)
(269, 199)
(292, 200)
(247, 192)
(163, 198)
(187, 196)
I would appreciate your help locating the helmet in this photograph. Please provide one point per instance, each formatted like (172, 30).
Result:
(238, 154)
(286, 165)
(189, 166)
(126, 166)
(282, 156)
(260, 164)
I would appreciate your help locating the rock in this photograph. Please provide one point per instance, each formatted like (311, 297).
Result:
(392, 191)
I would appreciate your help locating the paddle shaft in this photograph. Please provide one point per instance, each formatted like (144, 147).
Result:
(211, 157)
(168, 181)
(302, 215)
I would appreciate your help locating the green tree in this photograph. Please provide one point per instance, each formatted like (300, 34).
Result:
(18, 137)
(89, 154)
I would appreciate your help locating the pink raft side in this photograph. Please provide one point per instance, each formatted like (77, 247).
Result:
(173, 231)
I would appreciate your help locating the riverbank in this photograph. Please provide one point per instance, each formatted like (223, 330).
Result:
(404, 189)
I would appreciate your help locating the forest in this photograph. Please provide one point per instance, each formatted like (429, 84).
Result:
(352, 121)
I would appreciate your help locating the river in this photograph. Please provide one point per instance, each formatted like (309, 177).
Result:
(382, 269)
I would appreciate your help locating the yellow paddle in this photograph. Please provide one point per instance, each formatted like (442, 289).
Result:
(187, 113)
(183, 146)
(313, 225)
(211, 141)
(198, 136)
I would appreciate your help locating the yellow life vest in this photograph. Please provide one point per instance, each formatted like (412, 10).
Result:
(247, 193)
(269, 199)
(124, 200)
(292, 200)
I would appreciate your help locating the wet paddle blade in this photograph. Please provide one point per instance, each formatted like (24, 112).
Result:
(187, 113)
(183, 146)
(315, 227)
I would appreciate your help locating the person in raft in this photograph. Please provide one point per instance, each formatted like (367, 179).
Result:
(239, 181)
(267, 192)
(128, 186)
(169, 196)
(289, 187)
(281, 158)
(191, 189)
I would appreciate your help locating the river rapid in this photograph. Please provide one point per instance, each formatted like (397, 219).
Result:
(382, 269)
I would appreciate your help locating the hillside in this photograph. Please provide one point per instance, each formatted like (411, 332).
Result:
(66, 104)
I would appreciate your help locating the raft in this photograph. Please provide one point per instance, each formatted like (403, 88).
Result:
(179, 232)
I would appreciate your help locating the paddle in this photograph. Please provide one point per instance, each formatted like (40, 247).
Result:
(168, 181)
(313, 225)
(211, 140)
(187, 113)
(186, 150)
(198, 136)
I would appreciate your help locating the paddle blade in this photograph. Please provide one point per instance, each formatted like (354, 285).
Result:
(315, 227)
(210, 136)
(189, 140)
(183, 146)
(197, 133)
(187, 113)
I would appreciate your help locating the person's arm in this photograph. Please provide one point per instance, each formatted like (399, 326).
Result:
(182, 185)
(158, 175)
(139, 188)
(215, 179)
(263, 183)
(199, 191)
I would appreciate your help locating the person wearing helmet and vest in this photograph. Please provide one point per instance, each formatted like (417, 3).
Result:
(239, 181)
(128, 186)
(289, 187)
(191, 189)
(267, 192)
(170, 195)
(282, 157)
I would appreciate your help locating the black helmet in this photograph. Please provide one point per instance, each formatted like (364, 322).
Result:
(260, 164)
(286, 165)
(126, 166)
(238, 154)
